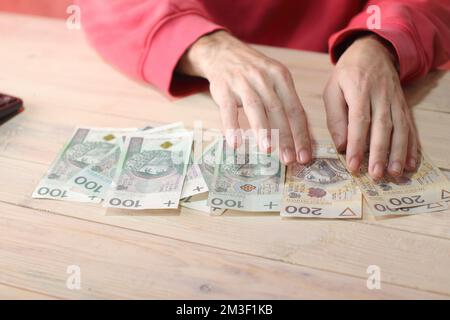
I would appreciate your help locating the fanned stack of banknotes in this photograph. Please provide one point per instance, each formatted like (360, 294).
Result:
(162, 168)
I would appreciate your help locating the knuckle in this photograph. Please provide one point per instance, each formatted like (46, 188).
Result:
(252, 103)
(402, 127)
(257, 74)
(274, 107)
(361, 117)
(228, 106)
(293, 112)
(280, 70)
(333, 124)
(384, 121)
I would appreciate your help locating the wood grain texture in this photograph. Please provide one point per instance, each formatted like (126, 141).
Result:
(344, 247)
(65, 84)
(14, 293)
(118, 263)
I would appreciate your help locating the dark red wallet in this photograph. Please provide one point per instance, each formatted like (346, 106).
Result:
(9, 105)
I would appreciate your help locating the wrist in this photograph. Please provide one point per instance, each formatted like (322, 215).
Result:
(384, 46)
(199, 56)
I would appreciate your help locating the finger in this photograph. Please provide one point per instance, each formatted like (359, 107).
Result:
(413, 145)
(358, 103)
(400, 136)
(255, 112)
(277, 119)
(285, 89)
(228, 106)
(336, 110)
(380, 135)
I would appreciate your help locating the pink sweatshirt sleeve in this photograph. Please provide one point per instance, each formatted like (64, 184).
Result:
(146, 38)
(419, 31)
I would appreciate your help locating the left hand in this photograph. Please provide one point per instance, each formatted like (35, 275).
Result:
(364, 98)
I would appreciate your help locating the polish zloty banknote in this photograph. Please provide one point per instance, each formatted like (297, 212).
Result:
(95, 179)
(205, 164)
(194, 183)
(150, 172)
(322, 189)
(324, 149)
(414, 192)
(246, 179)
(199, 202)
(86, 147)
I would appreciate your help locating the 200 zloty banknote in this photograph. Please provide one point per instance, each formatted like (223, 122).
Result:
(322, 189)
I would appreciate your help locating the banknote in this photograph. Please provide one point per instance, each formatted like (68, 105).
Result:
(205, 163)
(322, 189)
(150, 172)
(414, 192)
(194, 182)
(199, 202)
(246, 179)
(86, 147)
(200, 172)
(94, 180)
(324, 149)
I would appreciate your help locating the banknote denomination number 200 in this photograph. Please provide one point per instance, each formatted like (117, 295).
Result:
(406, 200)
(303, 210)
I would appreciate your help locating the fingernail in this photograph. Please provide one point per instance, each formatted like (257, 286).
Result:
(378, 171)
(395, 168)
(304, 156)
(353, 164)
(412, 163)
(266, 144)
(288, 155)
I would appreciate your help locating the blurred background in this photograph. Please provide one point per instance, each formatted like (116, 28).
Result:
(47, 8)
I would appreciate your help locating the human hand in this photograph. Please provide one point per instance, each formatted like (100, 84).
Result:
(364, 98)
(241, 76)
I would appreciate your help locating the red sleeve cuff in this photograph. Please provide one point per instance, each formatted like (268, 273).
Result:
(173, 37)
(411, 64)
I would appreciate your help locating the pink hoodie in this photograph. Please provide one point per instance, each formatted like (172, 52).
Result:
(146, 38)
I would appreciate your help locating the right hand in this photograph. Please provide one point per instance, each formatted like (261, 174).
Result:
(241, 76)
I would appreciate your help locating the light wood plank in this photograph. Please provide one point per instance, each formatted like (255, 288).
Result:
(13, 293)
(407, 259)
(117, 263)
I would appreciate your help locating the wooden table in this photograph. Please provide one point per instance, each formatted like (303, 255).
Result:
(185, 254)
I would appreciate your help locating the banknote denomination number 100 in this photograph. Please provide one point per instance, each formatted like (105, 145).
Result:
(128, 203)
(90, 185)
(55, 193)
(228, 203)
